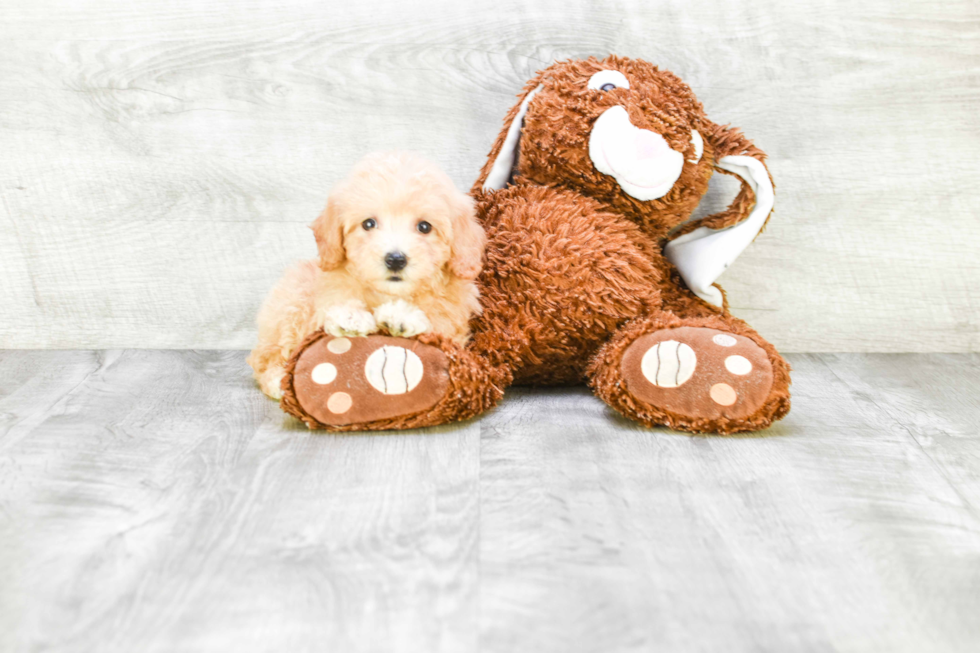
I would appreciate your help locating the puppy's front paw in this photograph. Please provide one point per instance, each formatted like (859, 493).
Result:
(347, 320)
(401, 319)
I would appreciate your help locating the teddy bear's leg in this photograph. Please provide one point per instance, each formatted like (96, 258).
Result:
(707, 373)
(381, 382)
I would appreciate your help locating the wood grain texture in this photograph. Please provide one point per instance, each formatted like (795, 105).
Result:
(155, 501)
(160, 161)
(852, 525)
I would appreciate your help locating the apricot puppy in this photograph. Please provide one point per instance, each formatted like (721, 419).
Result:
(399, 251)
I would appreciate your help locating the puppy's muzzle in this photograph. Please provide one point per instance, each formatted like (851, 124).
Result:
(395, 261)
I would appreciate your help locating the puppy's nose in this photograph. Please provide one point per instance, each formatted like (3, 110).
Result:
(395, 261)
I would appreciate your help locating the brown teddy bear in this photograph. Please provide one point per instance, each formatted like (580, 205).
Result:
(593, 272)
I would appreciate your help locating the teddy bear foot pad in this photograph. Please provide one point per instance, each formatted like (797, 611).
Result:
(698, 372)
(344, 381)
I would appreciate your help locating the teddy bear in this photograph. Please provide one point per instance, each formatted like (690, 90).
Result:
(594, 272)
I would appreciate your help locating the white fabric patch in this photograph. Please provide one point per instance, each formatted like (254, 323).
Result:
(603, 77)
(703, 254)
(640, 160)
(393, 370)
(503, 165)
(698, 145)
(323, 373)
(668, 364)
(738, 365)
(724, 340)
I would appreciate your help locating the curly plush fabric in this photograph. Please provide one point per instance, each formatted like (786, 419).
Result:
(575, 286)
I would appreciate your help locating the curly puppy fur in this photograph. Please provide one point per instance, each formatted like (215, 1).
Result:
(575, 270)
(392, 202)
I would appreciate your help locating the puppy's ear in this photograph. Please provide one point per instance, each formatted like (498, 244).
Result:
(328, 229)
(466, 249)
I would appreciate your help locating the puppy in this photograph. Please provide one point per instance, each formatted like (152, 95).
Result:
(399, 249)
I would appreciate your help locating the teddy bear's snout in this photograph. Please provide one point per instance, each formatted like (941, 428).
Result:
(640, 160)
(649, 145)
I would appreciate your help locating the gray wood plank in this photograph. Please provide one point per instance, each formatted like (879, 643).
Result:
(161, 161)
(834, 530)
(155, 501)
(936, 401)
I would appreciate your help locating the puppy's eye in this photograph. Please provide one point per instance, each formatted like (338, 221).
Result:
(424, 227)
(369, 224)
(607, 80)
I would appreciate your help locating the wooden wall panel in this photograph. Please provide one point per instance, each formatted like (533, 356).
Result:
(159, 161)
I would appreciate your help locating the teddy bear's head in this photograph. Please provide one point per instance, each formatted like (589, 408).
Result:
(635, 138)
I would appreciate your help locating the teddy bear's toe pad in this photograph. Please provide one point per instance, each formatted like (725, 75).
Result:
(698, 373)
(341, 381)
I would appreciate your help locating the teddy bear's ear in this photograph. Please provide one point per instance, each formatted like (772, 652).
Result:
(702, 250)
(500, 164)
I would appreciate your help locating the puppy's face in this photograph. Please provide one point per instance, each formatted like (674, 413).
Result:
(398, 225)
(395, 246)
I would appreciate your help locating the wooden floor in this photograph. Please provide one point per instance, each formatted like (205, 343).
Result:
(155, 501)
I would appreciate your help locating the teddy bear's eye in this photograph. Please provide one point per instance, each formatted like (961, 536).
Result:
(424, 227)
(607, 80)
(369, 224)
